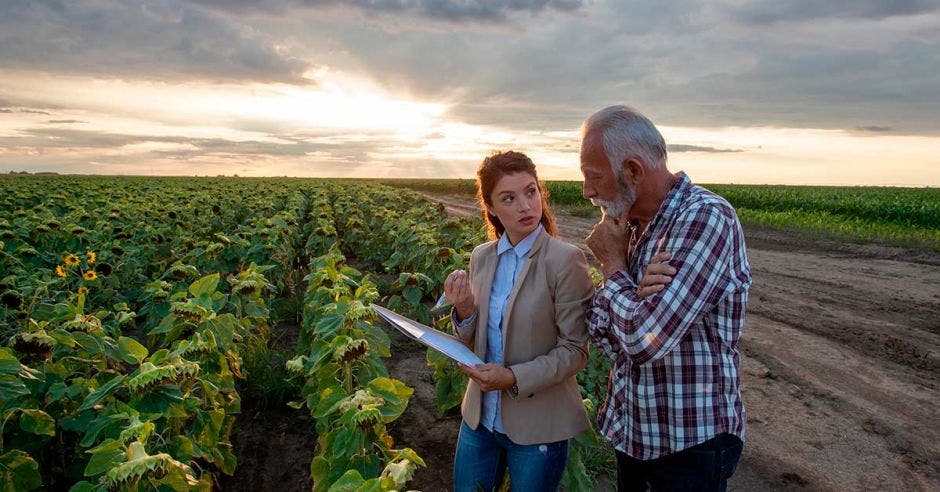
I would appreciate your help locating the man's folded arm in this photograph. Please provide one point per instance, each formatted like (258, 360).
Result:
(649, 328)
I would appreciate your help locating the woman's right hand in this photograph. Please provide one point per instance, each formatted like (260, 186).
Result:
(457, 290)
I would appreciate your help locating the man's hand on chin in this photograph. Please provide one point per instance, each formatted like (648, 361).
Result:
(608, 242)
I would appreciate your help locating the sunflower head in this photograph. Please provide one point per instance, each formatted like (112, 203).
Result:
(90, 275)
(11, 299)
(83, 290)
(91, 257)
(60, 271)
(70, 260)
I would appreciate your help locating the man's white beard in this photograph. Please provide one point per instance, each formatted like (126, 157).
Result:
(618, 207)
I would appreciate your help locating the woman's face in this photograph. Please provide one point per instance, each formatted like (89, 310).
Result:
(517, 202)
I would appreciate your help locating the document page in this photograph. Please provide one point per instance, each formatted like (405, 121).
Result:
(442, 342)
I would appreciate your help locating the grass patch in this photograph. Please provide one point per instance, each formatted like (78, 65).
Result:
(901, 217)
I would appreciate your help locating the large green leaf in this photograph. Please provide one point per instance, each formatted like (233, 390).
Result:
(99, 394)
(319, 468)
(328, 324)
(161, 401)
(344, 442)
(131, 351)
(449, 389)
(43, 312)
(352, 481)
(104, 457)
(205, 285)
(63, 337)
(11, 387)
(413, 295)
(166, 324)
(378, 339)
(9, 364)
(394, 392)
(90, 343)
(18, 472)
(37, 422)
(330, 400)
(223, 328)
(86, 486)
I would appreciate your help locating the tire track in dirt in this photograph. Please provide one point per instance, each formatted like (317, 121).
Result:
(840, 368)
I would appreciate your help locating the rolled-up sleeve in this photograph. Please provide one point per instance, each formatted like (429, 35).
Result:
(466, 328)
(598, 316)
(649, 328)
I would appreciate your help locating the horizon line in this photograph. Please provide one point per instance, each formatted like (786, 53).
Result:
(11, 173)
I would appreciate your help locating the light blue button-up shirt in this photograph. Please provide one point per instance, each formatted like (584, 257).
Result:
(511, 260)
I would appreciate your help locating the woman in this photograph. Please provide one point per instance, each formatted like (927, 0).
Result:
(521, 309)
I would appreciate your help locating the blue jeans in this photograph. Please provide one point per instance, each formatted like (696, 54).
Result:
(483, 457)
(705, 467)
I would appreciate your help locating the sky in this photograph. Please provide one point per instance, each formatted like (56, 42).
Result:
(744, 91)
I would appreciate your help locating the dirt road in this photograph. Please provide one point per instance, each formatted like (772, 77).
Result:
(841, 373)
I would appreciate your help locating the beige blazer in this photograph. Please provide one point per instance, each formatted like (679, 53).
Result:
(544, 340)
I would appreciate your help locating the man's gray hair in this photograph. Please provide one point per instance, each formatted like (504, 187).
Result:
(627, 134)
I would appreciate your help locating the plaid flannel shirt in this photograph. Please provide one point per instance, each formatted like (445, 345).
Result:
(674, 381)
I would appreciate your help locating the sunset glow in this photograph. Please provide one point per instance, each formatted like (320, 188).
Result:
(330, 105)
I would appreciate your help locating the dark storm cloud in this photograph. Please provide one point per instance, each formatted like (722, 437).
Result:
(684, 62)
(874, 129)
(770, 11)
(152, 39)
(448, 10)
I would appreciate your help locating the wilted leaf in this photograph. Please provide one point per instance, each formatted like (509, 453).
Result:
(37, 422)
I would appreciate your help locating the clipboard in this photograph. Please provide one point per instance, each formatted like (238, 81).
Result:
(444, 343)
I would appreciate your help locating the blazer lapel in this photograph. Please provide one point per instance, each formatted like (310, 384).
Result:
(487, 273)
(507, 311)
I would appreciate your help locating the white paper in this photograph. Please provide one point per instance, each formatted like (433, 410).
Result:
(442, 342)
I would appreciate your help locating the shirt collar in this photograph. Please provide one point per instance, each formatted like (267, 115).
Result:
(674, 198)
(523, 247)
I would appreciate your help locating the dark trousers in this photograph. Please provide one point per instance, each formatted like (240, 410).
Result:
(703, 467)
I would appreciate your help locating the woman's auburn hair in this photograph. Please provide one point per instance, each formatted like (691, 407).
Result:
(491, 170)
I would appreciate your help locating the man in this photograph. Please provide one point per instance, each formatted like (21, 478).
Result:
(670, 312)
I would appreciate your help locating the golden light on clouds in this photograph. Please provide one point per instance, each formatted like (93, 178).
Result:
(343, 125)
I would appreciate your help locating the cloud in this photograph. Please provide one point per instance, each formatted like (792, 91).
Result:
(66, 121)
(24, 110)
(677, 148)
(337, 145)
(152, 39)
(684, 63)
(771, 11)
(874, 129)
(446, 10)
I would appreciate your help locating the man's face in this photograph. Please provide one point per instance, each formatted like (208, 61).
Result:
(601, 185)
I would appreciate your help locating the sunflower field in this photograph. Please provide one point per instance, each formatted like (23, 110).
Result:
(131, 310)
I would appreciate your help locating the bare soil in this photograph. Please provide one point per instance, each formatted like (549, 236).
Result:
(841, 371)
(274, 443)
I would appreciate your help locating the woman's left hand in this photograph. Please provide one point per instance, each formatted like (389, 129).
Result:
(490, 376)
